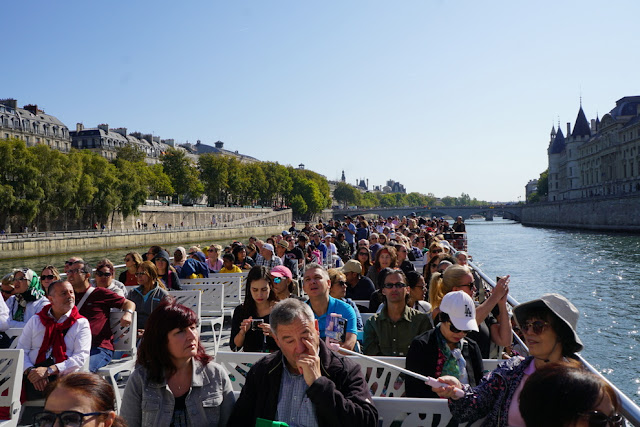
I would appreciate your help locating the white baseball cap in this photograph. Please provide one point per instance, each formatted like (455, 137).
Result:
(461, 310)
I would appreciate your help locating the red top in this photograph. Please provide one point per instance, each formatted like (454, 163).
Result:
(96, 309)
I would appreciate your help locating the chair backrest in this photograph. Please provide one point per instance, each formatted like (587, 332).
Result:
(15, 333)
(211, 300)
(406, 412)
(366, 316)
(232, 287)
(11, 367)
(124, 338)
(191, 299)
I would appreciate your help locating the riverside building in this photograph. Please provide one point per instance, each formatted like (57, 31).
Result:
(32, 125)
(597, 158)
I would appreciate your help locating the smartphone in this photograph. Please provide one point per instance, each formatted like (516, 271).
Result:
(255, 323)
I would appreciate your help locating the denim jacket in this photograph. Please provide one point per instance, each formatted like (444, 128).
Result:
(149, 404)
(492, 397)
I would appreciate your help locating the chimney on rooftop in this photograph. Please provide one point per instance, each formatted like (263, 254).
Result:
(32, 108)
(593, 126)
(79, 127)
(9, 102)
(568, 129)
(104, 127)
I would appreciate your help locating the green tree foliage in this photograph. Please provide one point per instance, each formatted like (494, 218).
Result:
(158, 182)
(543, 184)
(214, 174)
(346, 194)
(184, 177)
(369, 200)
(130, 153)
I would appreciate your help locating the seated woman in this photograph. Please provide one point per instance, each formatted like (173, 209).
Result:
(104, 278)
(131, 260)
(79, 398)
(364, 256)
(565, 393)
(148, 295)
(283, 285)
(166, 273)
(385, 257)
(549, 327)
(176, 382)
(445, 350)
(48, 275)
(338, 290)
(214, 262)
(27, 300)
(495, 330)
(259, 298)
(417, 292)
(242, 260)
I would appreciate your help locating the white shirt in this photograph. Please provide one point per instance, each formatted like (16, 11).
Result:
(77, 341)
(32, 308)
(4, 315)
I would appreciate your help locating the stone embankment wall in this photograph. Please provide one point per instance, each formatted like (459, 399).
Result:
(244, 224)
(605, 214)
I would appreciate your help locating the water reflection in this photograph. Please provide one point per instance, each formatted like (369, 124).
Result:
(599, 273)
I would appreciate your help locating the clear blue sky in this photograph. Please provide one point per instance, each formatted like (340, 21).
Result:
(443, 96)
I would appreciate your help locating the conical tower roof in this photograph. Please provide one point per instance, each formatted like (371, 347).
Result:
(581, 128)
(558, 143)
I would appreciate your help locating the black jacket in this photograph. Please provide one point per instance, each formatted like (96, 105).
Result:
(341, 396)
(423, 357)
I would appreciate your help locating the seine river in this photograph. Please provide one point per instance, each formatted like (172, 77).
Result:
(599, 273)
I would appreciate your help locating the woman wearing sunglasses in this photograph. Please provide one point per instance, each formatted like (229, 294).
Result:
(446, 350)
(364, 256)
(48, 275)
(131, 260)
(79, 399)
(549, 327)
(570, 396)
(27, 300)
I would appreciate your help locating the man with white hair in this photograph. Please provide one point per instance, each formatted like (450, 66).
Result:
(304, 383)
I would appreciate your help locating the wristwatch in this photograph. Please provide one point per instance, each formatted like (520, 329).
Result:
(129, 311)
(50, 371)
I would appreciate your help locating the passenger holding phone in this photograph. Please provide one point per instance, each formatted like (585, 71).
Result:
(250, 330)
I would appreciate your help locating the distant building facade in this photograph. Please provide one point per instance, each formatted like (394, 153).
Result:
(32, 125)
(218, 148)
(600, 158)
(530, 188)
(106, 142)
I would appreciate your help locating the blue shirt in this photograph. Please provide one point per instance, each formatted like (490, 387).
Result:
(340, 307)
(348, 236)
(294, 406)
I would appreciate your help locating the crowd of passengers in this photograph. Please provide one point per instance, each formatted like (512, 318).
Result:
(425, 304)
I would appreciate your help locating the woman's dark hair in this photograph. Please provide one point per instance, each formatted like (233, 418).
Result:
(557, 393)
(562, 330)
(153, 352)
(90, 385)
(235, 251)
(412, 278)
(256, 273)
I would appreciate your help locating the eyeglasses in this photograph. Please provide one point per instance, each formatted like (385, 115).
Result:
(103, 274)
(456, 330)
(74, 271)
(192, 253)
(597, 418)
(398, 285)
(47, 277)
(141, 274)
(341, 283)
(69, 262)
(210, 250)
(20, 279)
(470, 285)
(277, 280)
(127, 260)
(67, 418)
(538, 326)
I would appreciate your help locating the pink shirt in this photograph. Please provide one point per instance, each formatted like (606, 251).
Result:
(514, 418)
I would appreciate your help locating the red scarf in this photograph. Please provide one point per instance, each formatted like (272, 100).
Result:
(53, 335)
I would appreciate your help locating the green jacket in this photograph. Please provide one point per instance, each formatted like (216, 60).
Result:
(382, 337)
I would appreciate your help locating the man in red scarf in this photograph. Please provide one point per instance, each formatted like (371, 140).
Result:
(56, 341)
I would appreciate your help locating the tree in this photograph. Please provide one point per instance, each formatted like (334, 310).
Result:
(183, 175)
(449, 201)
(130, 153)
(346, 194)
(543, 184)
(214, 174)
(158, 182)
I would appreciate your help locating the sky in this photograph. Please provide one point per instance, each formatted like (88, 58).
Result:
(445, 97)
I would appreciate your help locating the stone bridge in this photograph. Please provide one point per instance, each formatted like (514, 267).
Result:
(513, 212)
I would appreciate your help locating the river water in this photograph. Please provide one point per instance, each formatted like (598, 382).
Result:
(599, 273)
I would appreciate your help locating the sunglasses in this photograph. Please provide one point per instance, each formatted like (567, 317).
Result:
(277, 280)
(103, 274)
(597, 419)
(436, 251)
(341, 283)
(363, 253)
(398, 285)
(47, 277)
(67, 418)
(192, 253)
(127, 259)
(456, 330)
(69, 262)
(537, 326)
(210, 250)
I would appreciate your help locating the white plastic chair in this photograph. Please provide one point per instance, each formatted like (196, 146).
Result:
(11, 368)
(211, 308)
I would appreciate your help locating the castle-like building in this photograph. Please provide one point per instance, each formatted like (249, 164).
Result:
(597, 157)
